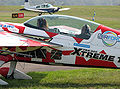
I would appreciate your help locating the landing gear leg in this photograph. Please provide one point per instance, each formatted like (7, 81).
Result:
(11, 70)
(16, 74)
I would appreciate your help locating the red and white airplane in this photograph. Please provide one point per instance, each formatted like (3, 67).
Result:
(57, 39)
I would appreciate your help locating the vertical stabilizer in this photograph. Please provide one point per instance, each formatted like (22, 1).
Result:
(26, 4)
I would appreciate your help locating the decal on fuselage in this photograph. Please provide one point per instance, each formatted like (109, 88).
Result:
(7, 26)
(109, 38)
(81, 45)
(92, 54)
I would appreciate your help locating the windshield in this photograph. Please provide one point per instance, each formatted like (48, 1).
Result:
(49, 5)
(46, 5)
(63, 24)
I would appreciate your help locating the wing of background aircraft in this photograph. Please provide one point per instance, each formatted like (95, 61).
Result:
(43, 11)
(46, 11)
(35, 10)
(62, 9)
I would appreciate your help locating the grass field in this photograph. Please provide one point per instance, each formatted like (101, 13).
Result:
(106, 15)
(90, 78)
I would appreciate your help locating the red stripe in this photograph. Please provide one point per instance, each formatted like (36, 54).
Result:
(23, 48)
(5, 29)
(94, 62)
(67, 52)
(98, 28)
(26, 59)
(105, 28)
(12, 49)
(4, 71)
(78, 40)
(103, 52)
(51, 34)
(6, 58)
(48, 58)
(21, 28)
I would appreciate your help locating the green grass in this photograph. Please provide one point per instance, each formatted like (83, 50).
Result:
(106, 15)
(91, 78)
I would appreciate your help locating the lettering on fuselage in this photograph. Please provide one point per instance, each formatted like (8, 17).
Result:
(6, 26)
(93, 54)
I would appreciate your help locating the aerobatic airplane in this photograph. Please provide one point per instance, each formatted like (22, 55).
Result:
(43, 8)
(57, 39)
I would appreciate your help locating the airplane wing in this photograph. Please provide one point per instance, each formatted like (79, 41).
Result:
(11, 41)
(44, 11)
(14, 40)
(64, 9)
(35, 10)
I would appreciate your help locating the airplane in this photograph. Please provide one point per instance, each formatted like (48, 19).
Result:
(43, 8)
(57, 39)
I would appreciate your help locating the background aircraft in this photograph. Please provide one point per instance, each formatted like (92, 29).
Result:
(57, 39)
(43, 8)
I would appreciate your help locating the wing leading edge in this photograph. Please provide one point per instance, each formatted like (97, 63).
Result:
(11, 40)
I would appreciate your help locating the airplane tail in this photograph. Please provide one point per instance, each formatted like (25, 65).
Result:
(26, 4)
(56, 10)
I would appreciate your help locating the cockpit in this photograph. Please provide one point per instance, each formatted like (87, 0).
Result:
(45, 5)
(64, 25)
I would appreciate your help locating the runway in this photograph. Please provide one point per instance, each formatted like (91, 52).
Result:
(30, 67)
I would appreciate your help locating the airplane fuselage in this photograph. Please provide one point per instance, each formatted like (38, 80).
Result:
(101, 49)
(43, 8)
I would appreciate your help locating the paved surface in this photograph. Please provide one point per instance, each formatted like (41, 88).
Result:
(29, 67)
